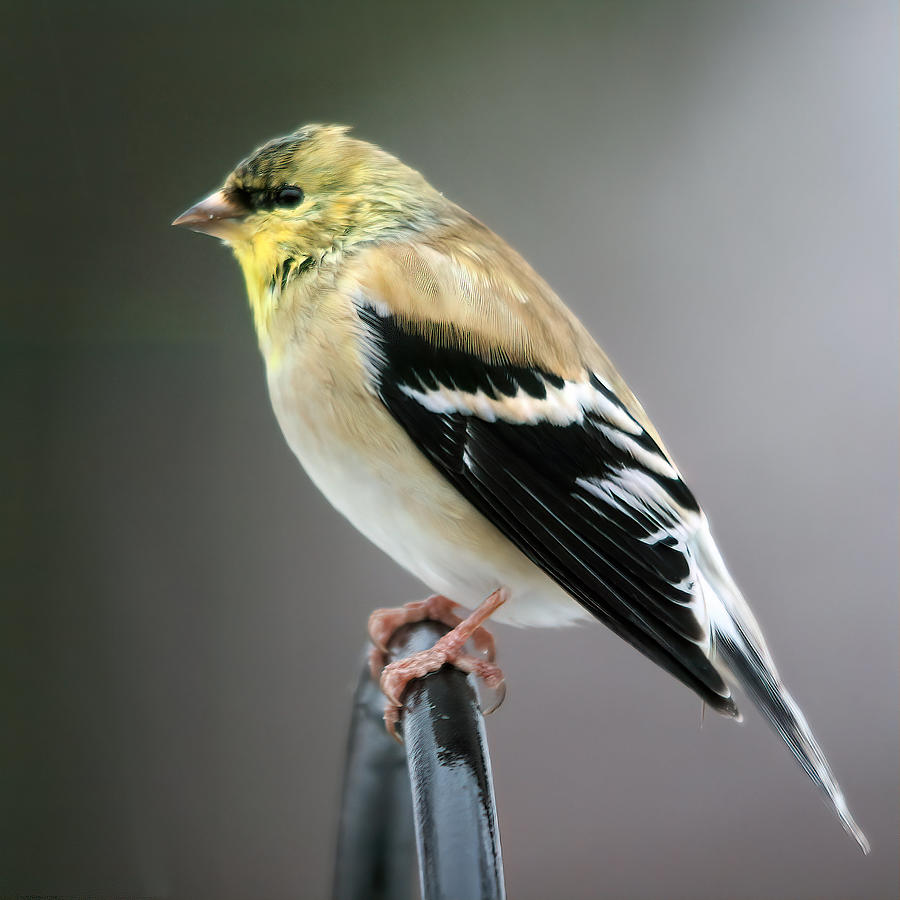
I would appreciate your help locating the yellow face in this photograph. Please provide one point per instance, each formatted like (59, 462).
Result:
(296, 190)
(306, 196)
(309, 189)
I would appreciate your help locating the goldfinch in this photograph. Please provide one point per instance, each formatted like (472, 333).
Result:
(448, 403)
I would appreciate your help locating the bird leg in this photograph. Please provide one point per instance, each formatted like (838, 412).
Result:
(384, 622)
(449, 649)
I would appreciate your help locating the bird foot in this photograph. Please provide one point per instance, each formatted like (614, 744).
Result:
(395, 678)
(383, 623)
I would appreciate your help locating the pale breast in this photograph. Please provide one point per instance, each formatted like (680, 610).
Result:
(372, 473)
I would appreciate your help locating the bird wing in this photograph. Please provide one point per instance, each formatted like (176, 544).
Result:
(504, 392)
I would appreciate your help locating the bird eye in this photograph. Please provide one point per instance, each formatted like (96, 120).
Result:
(289, 195)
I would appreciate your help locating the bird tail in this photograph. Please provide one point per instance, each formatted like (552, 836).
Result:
(739, 643)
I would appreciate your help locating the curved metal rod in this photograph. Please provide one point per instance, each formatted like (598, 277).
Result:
(449, 778)
(376, 841)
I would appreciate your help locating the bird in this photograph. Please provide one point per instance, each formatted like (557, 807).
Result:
(449, 404)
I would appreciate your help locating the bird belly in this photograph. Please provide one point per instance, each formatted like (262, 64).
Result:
(372, 473)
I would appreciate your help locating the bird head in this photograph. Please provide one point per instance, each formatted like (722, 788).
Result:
(308, 198)
(309, 193)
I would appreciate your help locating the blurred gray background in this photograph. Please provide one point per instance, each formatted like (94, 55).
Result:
(711, 185)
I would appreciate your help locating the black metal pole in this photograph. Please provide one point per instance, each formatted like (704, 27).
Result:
(450, 774)
(376, 841)
(446, 755)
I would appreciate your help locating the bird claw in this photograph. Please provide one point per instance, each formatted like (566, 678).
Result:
(384, 622)
(395, 677)
(391, 720)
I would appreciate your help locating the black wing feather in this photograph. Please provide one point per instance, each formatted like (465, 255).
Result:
(525, 479)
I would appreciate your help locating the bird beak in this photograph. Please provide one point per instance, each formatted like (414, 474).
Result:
(220, 214)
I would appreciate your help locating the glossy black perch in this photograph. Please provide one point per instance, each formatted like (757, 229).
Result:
(433, 793)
